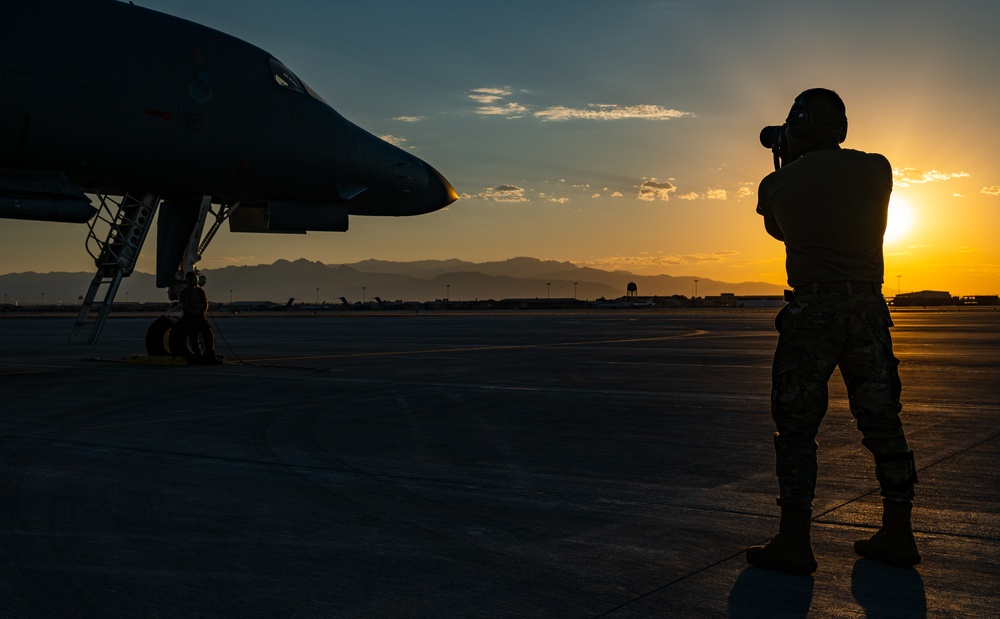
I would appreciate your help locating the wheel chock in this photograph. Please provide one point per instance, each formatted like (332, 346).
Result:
(155, 360)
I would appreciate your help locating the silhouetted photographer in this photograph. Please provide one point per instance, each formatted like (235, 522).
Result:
(829, 206)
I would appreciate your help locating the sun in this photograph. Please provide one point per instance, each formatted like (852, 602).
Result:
(900, 220)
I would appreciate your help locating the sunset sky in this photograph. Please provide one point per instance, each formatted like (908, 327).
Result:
(625, 134)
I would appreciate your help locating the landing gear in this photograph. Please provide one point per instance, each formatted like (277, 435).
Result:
(184, 343)
(158, 336)
(169, 336)
(128, 218)
(180, 248)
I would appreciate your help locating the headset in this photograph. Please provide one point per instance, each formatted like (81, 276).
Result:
(800, 120)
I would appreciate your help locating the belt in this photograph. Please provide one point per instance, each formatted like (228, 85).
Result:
(845, 288)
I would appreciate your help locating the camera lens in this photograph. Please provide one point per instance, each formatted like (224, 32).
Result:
(771, 137)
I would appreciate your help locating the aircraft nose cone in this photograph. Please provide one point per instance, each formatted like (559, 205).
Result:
(440, 193)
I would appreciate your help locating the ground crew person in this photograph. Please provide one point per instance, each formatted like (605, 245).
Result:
(194, 302)
(829, 207)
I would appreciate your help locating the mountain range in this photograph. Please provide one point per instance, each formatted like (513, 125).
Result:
(425, 280)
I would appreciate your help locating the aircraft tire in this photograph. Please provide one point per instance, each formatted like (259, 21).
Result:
(158, 336)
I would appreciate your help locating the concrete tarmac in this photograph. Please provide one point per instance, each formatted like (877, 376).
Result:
(591, 464)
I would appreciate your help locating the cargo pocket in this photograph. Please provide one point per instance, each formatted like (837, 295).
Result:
(780, 317)
(879, 321)
(786, 360)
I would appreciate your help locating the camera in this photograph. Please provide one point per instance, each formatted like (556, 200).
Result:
(774, 138)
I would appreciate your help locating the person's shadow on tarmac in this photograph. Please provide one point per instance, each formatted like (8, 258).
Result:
(887, 592)
(883, 591)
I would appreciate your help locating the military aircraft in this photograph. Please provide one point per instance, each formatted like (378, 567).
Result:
(102, 100)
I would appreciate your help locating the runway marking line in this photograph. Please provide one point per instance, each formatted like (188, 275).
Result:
(24, 372)
(694, 333)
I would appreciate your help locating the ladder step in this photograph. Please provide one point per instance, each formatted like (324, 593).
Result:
(90, 320)
(115, 259)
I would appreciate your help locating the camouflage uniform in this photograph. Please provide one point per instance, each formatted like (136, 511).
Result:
(818, 332)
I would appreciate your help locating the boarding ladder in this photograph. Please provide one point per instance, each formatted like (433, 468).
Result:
(127, 221)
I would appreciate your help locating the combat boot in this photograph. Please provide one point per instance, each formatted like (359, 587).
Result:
(791, 550)
(893, 543)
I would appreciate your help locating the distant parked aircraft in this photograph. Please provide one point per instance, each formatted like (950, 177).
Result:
(146, 112)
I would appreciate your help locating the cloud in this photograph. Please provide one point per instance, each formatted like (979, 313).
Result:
(392, 139)
(550, 198)
(507, 188)
(902, 177)
(606, 111)
(652, 190)
(511, 110)
(491, 103)
(489, 95)
(564, 191)
(711, 194)
(500, 193)
(992, 190)
(744, 192)
(409, 119)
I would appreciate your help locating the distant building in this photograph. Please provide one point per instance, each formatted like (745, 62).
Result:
(980, 299)
(924, 298)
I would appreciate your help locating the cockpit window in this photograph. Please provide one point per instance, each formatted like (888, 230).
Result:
(284, 77)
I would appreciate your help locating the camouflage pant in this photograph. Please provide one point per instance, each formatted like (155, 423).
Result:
(819, 332)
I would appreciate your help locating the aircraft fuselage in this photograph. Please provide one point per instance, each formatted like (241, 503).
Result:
(121, 98)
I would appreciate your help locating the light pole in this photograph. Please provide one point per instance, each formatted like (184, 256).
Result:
(548, 291)
(363, 295)
(447, 293)
(574, 289)
(317, 296)
(898, 278)
(696, 289)
(230, 296)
